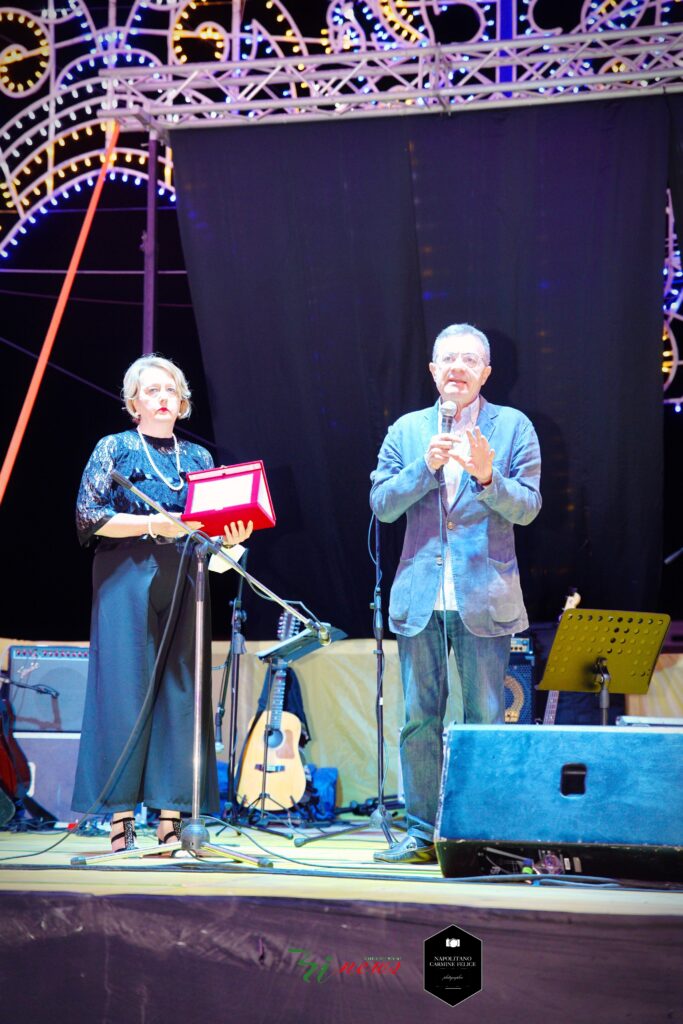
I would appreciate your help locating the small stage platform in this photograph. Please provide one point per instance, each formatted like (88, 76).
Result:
(324, 935)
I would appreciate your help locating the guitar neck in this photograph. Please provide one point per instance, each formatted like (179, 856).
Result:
(550, 713)
(277, 697)
(572, 600)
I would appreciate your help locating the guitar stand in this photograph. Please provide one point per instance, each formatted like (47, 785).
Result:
(256, 806)
(252, 817)
(245, 811)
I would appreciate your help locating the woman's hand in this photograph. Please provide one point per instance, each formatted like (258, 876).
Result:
(237, 533)
(163, 527)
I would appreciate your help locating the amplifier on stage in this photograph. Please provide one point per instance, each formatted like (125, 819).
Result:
(47, 687)
(519, 682)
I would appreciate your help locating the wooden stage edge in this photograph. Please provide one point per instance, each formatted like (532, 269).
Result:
(336, 867)
(296, 942)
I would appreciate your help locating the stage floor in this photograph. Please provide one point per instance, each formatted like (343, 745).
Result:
(153, 939)
(336, 867)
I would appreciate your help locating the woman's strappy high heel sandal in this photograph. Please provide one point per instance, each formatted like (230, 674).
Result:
(173, 834)
(125, 832)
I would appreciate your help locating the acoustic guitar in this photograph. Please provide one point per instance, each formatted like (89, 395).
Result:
(573, 600)
(271, 773)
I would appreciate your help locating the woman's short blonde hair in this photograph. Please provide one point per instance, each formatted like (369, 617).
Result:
(131, 383)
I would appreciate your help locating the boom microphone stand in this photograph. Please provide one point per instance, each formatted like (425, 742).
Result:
(378, 818)
(195, 837)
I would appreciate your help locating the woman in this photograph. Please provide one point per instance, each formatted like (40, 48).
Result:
(143, 617)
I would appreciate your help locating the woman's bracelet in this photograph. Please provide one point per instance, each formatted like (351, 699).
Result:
(150, 531)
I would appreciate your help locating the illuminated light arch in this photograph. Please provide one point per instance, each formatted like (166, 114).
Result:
(184, 63)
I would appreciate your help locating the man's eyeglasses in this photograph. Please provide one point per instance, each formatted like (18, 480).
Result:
(469, 359)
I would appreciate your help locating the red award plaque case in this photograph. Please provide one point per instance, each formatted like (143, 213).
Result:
(220, 496)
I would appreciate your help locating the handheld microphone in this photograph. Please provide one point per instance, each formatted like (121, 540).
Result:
(448, 413)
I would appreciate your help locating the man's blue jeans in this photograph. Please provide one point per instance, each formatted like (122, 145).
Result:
(482, 663)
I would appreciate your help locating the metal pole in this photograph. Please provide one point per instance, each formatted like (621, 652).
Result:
(195, 834)
(149, 248)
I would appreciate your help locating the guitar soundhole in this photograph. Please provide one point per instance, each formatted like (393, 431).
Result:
(275, 738)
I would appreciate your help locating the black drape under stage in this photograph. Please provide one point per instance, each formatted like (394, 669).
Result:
(323, 260)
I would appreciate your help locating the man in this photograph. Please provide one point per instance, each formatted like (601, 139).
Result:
(457, 583)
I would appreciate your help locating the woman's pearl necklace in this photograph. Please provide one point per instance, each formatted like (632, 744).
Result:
(173, 487)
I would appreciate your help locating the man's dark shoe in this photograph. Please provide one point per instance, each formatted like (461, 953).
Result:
(411, 850)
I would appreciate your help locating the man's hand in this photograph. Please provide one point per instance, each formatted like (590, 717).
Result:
(439, 451)
(479, 464)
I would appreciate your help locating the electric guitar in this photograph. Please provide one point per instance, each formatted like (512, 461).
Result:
(15, 772)
(271, 770)
(572, 600)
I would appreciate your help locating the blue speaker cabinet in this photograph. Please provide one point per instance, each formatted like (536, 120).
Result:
(562, 800)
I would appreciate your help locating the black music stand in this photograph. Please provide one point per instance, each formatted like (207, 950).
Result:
(298, 646)
(278, 658)
(606, 652)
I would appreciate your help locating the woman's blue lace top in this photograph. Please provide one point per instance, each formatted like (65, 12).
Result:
(99, 498)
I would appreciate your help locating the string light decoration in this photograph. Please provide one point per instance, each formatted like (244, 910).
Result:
(24, 62)
(68, 70)
(672, 364)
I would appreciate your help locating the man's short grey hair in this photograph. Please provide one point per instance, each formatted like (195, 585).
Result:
(454, 331)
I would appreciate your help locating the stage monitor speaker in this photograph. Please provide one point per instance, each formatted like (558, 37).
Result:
(52, 758)
(63, 670)
(562, 800)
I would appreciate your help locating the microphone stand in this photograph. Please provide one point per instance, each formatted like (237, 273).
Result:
(194, 837)
(378, 817)
(231, 674)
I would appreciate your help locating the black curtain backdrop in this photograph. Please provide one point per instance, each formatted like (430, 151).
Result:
(323, 260)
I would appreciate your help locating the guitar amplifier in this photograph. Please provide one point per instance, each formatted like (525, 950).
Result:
(519, 683)
(561, 800)
(49, 690)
